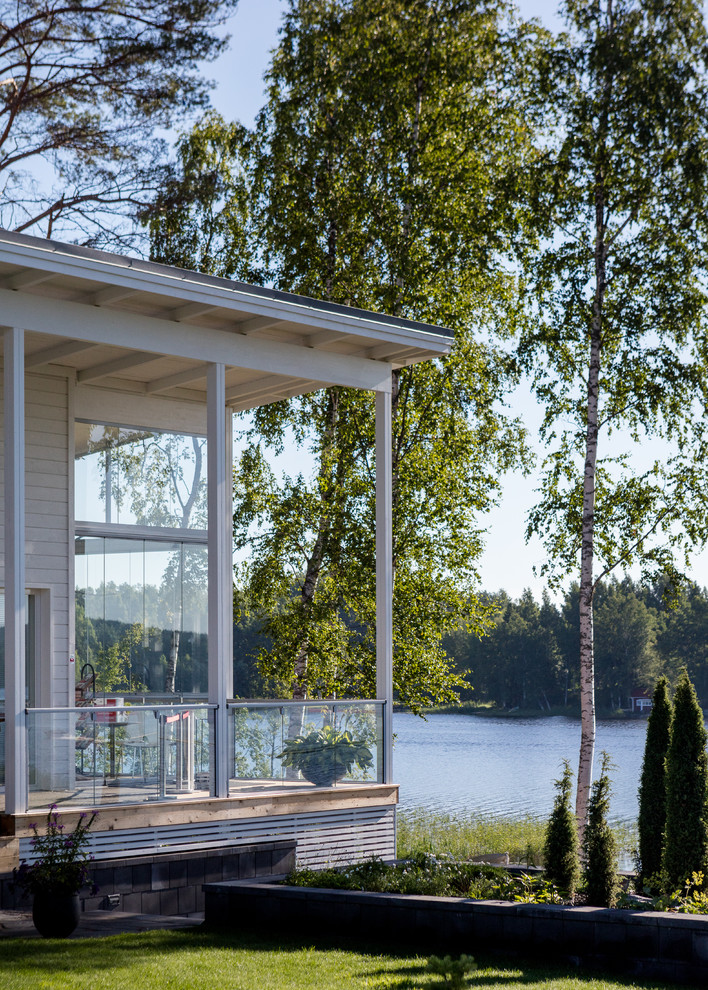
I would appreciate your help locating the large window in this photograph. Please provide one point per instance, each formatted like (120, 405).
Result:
(136, 477)
(141, 560)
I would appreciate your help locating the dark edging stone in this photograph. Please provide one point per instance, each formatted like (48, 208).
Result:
(647, 944)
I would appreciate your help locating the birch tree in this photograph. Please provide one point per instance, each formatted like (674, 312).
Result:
(615, 344)
(384, 170)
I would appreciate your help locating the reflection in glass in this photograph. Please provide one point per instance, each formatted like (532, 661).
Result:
(141, 615)
(139, 477)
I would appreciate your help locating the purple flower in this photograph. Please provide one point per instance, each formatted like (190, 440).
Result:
(33, 825)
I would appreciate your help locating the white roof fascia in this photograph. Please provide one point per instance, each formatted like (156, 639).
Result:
(190, 287)
(119, 328)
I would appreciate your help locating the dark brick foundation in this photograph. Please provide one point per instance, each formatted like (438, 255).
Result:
(169, 883)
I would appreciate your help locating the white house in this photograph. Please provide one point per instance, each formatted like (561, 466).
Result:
(104, 356)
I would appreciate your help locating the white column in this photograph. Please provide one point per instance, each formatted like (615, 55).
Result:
(384, 575)
(220, 565)
(14, 436)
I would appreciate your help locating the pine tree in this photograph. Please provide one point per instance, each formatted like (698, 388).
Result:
(599, 844)
(652, 788)
(560, 851)
(685, 836)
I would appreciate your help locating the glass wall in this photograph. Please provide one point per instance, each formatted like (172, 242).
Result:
(141, 599)
(135, 477)
(141, 615)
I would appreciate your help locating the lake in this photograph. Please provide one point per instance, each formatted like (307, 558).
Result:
(507, 766)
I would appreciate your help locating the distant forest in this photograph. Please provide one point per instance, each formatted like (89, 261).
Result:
(529, 656)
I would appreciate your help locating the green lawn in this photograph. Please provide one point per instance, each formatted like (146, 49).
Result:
(203, 960)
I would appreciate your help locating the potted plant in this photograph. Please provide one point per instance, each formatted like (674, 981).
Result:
(325, 755)
(57, 874)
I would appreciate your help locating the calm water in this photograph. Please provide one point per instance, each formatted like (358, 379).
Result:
(503, 766)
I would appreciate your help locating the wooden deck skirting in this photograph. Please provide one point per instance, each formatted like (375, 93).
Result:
(185, 811)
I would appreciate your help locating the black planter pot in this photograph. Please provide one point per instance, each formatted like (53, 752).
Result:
(322, 775)
(55, 915)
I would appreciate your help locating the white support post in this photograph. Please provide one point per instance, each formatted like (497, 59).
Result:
(384, 575)
(220, 567)
(14, 435)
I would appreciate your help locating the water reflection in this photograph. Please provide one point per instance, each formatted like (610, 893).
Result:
(502, 766)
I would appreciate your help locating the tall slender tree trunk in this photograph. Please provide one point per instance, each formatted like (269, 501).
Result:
(317, 556)
(587, 552)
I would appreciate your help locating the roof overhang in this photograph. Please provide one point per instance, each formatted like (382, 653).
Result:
(128, 325)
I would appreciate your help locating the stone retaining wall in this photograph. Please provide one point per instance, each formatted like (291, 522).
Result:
(169, 883)
(648, 944)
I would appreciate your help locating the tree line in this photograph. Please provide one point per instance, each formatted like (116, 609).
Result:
(529, 655)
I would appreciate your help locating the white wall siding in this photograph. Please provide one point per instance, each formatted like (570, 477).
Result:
(48, 515)
(334, 838)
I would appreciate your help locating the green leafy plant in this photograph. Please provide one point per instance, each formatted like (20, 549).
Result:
(560, 852)
(432, 876)
(62, 864)
(453, 971)
(326, 755)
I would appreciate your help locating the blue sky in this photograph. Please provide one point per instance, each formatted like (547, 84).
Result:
(508, 561)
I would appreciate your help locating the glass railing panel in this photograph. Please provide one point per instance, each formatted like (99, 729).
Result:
(2, 761)
(301, 744)
(119, 755)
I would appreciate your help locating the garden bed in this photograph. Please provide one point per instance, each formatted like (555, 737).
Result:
(648, 944)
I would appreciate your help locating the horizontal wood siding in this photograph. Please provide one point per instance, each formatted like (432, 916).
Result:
(322, 839)
(47, 521)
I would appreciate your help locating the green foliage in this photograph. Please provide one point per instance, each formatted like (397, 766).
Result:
(325, 755)
(432, 876)
(560, 851)
(599, 847)
(528, 655)
(380, 175)
(113, 662)
(614, 341)
(461, 837)
(686, 838)
(453, 971)
(652, 787)
(85, 88)
(627, 274)
(692, 898)
(62, 859)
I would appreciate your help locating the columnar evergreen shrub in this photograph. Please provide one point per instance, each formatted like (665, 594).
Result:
(685, 836)
(560, 851)
(652, 788)
(599, 846)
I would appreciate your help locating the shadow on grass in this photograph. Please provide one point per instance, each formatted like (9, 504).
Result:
(84, 957)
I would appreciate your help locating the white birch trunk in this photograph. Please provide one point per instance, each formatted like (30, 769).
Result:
(587, 552)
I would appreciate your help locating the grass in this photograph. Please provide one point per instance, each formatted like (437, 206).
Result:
(463, 836)
(200, 959)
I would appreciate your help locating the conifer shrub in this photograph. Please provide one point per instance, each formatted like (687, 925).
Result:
(685, 835)
(652, 787)
(560, 851)
(599, 846)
